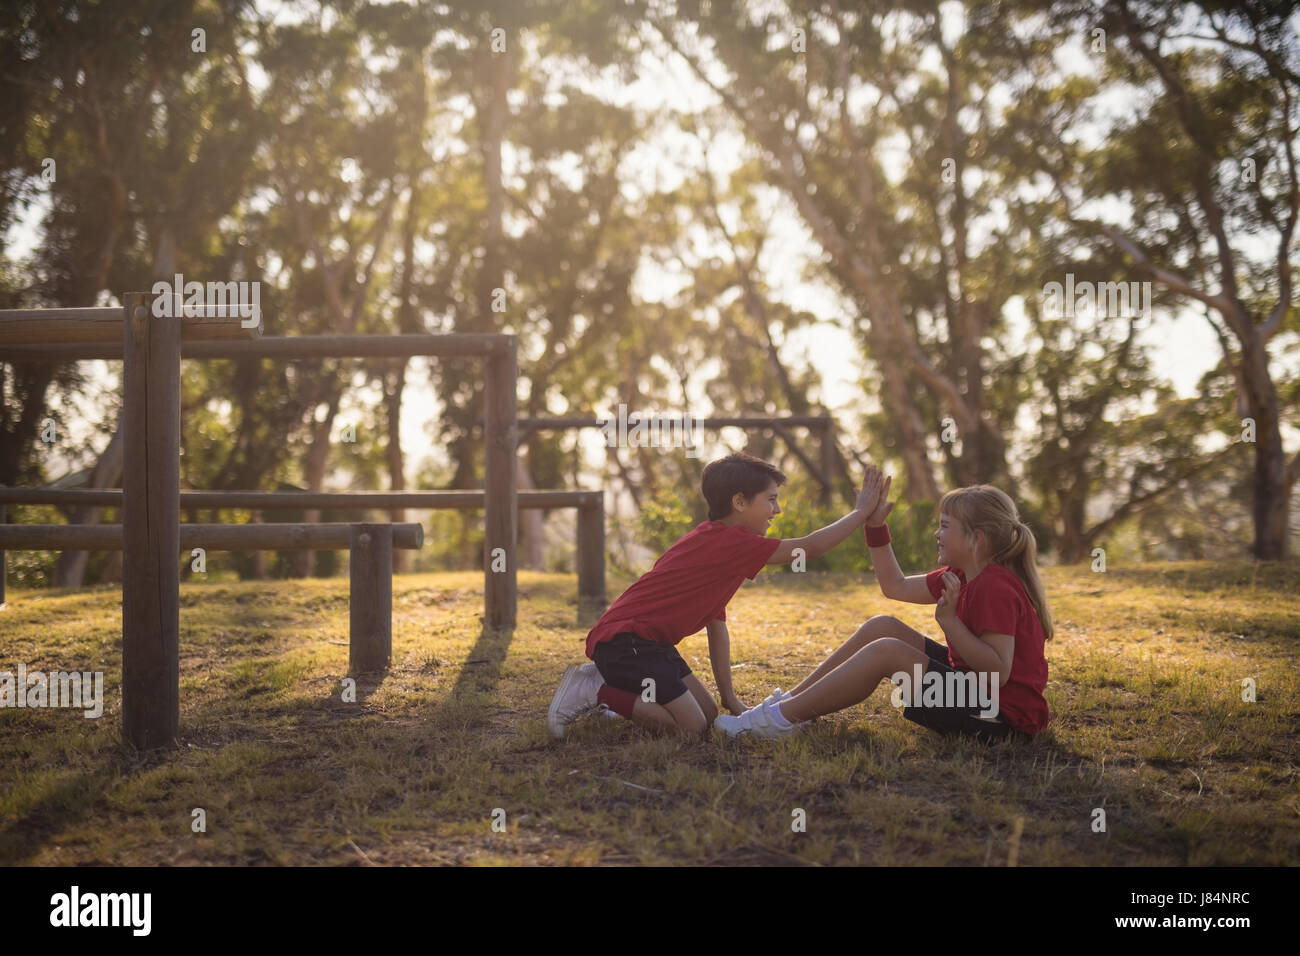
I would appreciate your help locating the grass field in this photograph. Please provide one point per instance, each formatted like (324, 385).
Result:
(1146, 691)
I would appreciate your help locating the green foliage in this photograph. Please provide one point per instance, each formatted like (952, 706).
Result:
(663, 520)
(31, 569)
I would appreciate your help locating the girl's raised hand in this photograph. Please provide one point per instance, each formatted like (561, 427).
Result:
(876, 517)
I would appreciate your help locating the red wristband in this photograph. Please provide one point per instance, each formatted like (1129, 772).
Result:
(877, 537)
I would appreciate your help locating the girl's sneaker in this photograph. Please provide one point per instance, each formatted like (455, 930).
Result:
(757, 721)
(574, 698)
(776, 697)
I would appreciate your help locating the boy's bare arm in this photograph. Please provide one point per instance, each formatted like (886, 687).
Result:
(720, 659)
(820, 541)
(814, 545)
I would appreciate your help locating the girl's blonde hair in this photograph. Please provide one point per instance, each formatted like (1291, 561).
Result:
(1011, 543)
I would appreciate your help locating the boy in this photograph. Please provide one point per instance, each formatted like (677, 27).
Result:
(637, 672)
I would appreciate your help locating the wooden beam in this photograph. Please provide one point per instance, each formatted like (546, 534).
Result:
(150, 529)
(378, 500)
(591, 560)
(500, 502)
(565, 423)
(211, 537)
(286, 347)
(370, 605)
(56, 327)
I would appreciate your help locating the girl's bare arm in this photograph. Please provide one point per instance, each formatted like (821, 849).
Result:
(893, 584)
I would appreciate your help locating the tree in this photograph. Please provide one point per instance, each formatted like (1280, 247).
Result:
(1207, 168)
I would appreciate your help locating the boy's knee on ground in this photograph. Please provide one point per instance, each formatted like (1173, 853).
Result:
(686, 712)
(702, 697)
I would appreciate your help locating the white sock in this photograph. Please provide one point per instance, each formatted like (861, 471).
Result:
(779, 718)
(787, 695)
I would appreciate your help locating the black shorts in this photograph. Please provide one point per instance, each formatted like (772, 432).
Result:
(952, 718)
(627, 660)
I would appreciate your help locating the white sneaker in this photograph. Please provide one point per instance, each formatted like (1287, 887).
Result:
(757, 721)
(574, 698)
(776, 697)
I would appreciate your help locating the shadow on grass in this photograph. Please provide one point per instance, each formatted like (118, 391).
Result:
(482, 671)
(74, 802)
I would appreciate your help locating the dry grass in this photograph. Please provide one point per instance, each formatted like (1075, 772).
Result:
(1145, 689)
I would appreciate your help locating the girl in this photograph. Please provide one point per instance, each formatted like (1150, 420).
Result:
(989, 603)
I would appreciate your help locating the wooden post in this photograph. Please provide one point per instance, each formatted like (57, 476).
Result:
(150, 525)
(370, 641)
(591, 558)
(500, 511)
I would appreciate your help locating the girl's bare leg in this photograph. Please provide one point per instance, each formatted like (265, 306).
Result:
(882, 625)
(854, 680)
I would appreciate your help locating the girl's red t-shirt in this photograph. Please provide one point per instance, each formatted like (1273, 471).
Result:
(996, 600)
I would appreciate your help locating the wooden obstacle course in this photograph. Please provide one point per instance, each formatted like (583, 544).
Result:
(500, 430)
(151, 350)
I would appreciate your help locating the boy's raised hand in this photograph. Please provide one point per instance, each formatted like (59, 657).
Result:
(869, 493)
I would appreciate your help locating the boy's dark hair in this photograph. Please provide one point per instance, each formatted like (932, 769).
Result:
(737, 473)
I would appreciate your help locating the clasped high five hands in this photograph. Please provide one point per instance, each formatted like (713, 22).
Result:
(872, 497)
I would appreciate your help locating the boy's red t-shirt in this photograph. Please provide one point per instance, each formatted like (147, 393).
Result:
(996, 600)
(689, 585)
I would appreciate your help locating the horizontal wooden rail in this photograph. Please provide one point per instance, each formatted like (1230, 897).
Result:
(590, 528)
(736, 421)
(33, 328)
(387, 500)
(213, 537)
(286, 347)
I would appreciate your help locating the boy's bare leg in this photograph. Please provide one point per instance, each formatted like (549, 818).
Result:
(854, 680)
(882, 625)
(702, 697)
(682, 715)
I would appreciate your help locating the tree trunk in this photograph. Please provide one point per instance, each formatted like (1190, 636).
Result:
(1271, 507)
(1073, 544)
